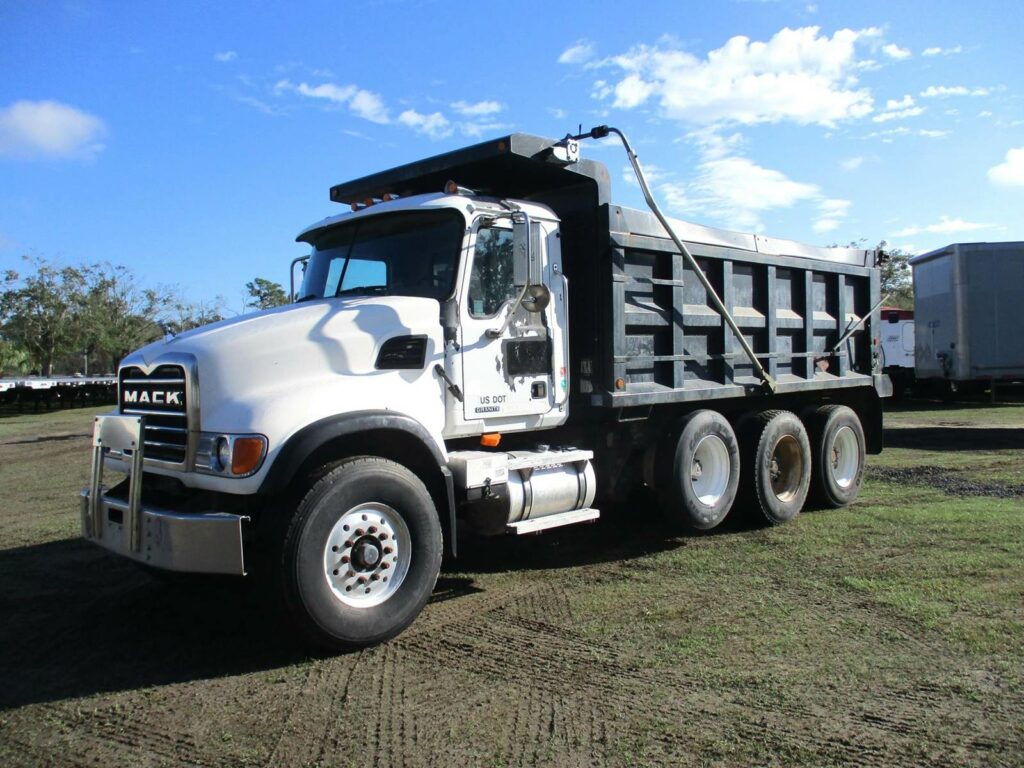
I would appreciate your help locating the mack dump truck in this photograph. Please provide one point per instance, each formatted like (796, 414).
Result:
(487, 343)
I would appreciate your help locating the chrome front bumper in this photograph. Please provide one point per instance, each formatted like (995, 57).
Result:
(207, 542)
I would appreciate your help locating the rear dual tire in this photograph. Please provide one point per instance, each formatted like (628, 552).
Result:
(839, 453)
(698, 471)
(777, 465)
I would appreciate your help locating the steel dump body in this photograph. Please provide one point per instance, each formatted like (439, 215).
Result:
(967, 299)
(643, 331)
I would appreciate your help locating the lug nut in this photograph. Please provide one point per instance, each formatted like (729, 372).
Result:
(361, 580)
(385, 566)
(344, 558)
(387, 550)
(372, 529)
(383, 536)
(374, 577)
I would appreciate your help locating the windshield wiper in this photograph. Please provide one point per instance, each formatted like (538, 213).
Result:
(363, 289)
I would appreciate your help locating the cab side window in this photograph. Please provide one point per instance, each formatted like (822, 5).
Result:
(491, 280)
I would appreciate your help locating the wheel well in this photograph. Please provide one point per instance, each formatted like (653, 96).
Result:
(397, 445)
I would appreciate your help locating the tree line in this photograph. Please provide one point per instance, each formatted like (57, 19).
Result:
(57, 319)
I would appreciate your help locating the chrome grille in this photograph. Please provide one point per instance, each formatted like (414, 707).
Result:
(162, 398)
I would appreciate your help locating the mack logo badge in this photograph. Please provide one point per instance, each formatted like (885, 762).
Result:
(159, 397)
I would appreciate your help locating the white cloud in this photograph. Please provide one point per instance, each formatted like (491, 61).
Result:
(893, 51)
(49, 129)
(477, 129)
(985, 113)
(580, 52)
(225, 56)
(734, 189)
(851, 163)
(942, 51)
(434, 125)
(479, 109)
(558, 113)
(932, 134)
(362, 103)
(833, 211)
(797, 75)
(942, 91)
(898, 110)
(369, 106)
(1010, 172)
(944, 226)
(906, 101)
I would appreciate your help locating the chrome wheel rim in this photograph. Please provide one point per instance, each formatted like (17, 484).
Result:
(367, 555)
(786, 468)
(709, 470)
(844, 457)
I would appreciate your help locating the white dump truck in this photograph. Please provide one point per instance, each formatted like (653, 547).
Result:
(485, 342)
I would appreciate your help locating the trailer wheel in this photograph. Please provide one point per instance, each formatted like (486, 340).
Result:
(778, 465)
(838, 441)
(362, 554)
(704, 471)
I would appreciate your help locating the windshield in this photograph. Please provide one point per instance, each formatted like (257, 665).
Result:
(410, 253)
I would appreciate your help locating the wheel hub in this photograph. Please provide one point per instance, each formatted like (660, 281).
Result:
(785, 468)
(367, 555)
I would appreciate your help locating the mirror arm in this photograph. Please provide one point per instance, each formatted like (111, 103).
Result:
(497, 333)
(291, 275)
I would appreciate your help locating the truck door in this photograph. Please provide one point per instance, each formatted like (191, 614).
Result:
(520, 372)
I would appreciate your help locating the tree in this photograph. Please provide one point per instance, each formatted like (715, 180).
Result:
(265, 294)
(13, 359)
(183, 315)
(119, 314)
(897, 280)
(41, 312)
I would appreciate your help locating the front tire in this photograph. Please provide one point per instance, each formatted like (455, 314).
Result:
(362, 554)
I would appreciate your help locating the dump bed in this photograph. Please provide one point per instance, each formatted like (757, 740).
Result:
(643, 331)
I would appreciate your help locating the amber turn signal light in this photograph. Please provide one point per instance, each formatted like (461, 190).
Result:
(246, 455)
(490, 440)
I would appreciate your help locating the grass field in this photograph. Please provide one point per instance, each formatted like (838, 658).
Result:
(889, 633)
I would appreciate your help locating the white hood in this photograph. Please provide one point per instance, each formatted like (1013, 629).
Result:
(276, 371)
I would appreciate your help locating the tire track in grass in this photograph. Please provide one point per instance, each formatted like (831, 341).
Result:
(301, 740)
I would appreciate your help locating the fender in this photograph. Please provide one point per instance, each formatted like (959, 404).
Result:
(300, 446)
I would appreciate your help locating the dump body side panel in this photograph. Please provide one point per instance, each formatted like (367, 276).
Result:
(663, 341)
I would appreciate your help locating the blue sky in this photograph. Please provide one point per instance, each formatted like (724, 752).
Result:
(193, 141)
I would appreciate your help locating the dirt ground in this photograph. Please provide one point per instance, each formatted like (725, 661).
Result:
(890, 633)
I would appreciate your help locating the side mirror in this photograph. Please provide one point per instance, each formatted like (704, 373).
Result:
(521, 250)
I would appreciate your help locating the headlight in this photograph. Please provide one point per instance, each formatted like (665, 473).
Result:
(230, 455)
